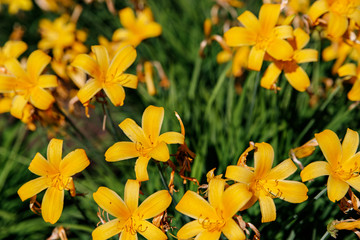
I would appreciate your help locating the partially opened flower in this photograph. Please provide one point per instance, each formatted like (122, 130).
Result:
(107, 75)
(136, 29)
(130, 218)
(340, 12)
(11, 49)
(214, 217)
(262, 35)
(296, 76)
(28, 85)
(265, 183)
(55, 175)
(342, 163)
(350, 70)
(146, 142)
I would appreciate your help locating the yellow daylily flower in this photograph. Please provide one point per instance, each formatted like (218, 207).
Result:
(130, 218)
(29, 85)
(296, 76)
(136, 29)
(342, 164)
(340, 11)
(265, 183)
(214, 217)
(16, 5)
(146, 142)
(107, 75)
(338, 50)
(55, 176)
(239, 60)
(351, 70)
(262, 35)
(298, 6)
(57, 35)
(11, 49)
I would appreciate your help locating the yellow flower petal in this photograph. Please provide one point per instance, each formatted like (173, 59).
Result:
(314, 170)
(151, 231)
(263, 158)
(317, 9)
(52, 205)
(297, 77)
(348, 69)
(233, 231)
(152, 29)
(348, 225)
(87, 64)
(290, 191)
(234, 198)
(354, 182)
(107, 230)
(282, 170)
(127, 80)
(337, 25)
(152, 119)
(267, 208)
(5, 105)
(190, 230)
(283, 31)
(36, 63)
(160, 152)
(301, 38)
(239, 36)
(256, 58)
(207, 235)
(32, 188)
(249, 20)
(131, 194)
(268, 16)
(194, 206)
(17, 106)
(349, 144)
(108, 200)
(122, 60)
(14, 66)
(47, 81)
(54, 152)
(74, 162)
(271, 75)
(128, 235)
(329, 144)
(115, 93)
(336, 188)
(91, 88)
(155, 204)
(127, 17)
(7, 83)
(306, 55)
(141, 169)
(215, 193)
(171, 138)
(14, 49)
(102, 57)
(239, 174)
(280, 49)
(354, 93)
(121, 151)
(134, 132)
(41, 98)
(40, 166)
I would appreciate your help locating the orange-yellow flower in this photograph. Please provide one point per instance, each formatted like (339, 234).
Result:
(136, 29)
(214, 217)
(107, 75)
(262, 35)
(28, 85)
(16, 5)
(146, 142)
(55, 176)
(342, 164)
(352, 71)
(338, 50)
(130, 218)
(296, 76)
(265, 183)
(340, 11)
(11, 49)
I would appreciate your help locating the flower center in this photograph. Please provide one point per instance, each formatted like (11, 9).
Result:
(346, 174)
(133, 225)
(268, 187)
(59, 181)
(210, 224)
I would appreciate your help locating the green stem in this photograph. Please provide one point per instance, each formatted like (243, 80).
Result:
(116, 133)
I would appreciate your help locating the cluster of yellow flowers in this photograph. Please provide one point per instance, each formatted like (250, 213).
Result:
(28, 94)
